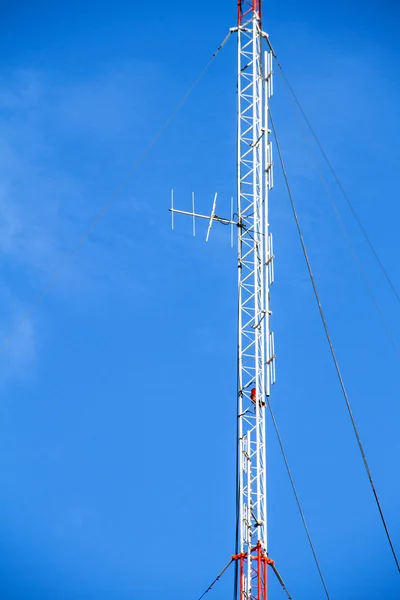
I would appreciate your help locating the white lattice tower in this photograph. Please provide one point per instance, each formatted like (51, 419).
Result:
(256, 358)
(255, 265)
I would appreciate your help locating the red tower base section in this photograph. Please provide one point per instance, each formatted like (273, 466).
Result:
(259, 564)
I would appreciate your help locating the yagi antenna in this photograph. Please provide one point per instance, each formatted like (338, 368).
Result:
(210, 218)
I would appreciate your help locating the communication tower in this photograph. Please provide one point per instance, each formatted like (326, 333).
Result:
(256, 357)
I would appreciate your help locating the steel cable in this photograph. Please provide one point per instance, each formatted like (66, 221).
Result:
(347, 237)
(332, 350)
(297, 497)
(339, 183)
(279, 578)
(106, 207)
(216, 579)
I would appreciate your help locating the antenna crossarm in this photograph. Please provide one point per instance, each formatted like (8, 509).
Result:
(208, 217)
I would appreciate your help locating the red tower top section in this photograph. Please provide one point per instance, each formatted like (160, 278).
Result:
(246, 7)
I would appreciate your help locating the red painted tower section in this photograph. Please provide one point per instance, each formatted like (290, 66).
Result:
(246, 7)
(259, 579)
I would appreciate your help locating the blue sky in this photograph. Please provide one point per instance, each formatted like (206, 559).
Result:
(117, 415)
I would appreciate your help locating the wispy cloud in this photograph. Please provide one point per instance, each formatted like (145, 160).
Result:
(57, 147)
(19, 362)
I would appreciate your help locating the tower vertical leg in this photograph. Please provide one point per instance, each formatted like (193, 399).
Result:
(255, 354)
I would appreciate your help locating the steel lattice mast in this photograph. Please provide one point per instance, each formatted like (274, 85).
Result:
(255, 267)
(256, 356)
(256, 365)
